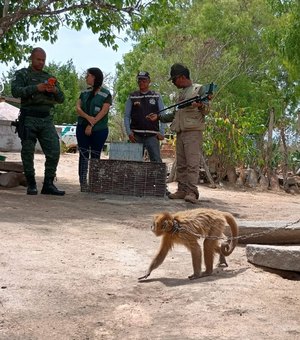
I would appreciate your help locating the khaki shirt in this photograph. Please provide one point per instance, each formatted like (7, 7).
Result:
(190, 118)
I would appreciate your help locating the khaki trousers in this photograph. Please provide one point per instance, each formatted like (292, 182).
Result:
(188, 148)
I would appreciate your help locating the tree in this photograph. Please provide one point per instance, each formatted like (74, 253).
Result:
(65, 113)
(70, 84)
(236, 53)
(35, 20)
(285, 36)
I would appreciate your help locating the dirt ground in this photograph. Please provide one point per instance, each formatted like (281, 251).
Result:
(69, 269)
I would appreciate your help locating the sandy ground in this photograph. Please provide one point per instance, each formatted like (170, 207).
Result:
(69, 269)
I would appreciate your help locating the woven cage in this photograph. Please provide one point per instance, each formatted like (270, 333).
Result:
(130, 178)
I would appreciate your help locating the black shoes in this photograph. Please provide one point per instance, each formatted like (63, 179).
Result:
(31, 186)
(50, 189)
(32, 189)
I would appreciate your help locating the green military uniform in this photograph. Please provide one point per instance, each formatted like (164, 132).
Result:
(37, 119)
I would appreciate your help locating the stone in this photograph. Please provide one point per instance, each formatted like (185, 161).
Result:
(12, 179)
(276, 257)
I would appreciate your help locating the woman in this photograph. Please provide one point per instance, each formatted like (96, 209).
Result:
(92, 127)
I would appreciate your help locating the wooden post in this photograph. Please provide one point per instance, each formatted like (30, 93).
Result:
(269, 146)
(208, 174)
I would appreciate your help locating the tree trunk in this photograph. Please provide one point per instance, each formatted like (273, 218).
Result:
(172, 175)
(269, 146)
(208, 174)
(285, 159)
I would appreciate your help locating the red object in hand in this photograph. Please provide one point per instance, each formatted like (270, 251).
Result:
(51, 81)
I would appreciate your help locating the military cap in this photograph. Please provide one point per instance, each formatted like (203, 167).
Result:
(143, 75)
(178, 70)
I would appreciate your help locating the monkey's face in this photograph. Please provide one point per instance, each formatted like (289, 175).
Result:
(162, 223)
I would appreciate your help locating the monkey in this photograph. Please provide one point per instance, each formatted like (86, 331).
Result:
(186, 227)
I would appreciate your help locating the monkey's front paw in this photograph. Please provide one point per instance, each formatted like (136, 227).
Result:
(144, 277)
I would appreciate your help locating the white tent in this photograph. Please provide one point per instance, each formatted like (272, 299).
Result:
(8, 112)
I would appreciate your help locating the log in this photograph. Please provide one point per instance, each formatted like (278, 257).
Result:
(11, 166)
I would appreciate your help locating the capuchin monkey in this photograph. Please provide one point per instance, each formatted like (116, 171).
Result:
(186, 227)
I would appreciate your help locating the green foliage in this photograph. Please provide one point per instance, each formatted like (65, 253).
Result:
(228, 42)
(116, 127)
(285, 34)
(69, 82)
(251, 49)
(65, 113)
(6, 81)
(294, 160)
(234, 135)
(27, 22)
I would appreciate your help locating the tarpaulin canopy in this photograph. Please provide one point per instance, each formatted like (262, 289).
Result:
(8, 112)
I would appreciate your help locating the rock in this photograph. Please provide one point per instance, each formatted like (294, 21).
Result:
(274, 183)
(252, 179)
(263, 182)
(277, 257)
(11, 166)
(239, 182)
(293, 180)
(293, 189)
(242, 175)
(12, 179)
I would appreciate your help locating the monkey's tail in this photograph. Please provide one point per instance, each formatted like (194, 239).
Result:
(227, 248)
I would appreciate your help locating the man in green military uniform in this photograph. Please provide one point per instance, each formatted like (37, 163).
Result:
(39, 91)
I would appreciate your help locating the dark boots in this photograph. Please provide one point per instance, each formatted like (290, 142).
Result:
(50, 189)
(31, 186)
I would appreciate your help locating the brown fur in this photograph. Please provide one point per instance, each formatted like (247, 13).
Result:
(186, 227)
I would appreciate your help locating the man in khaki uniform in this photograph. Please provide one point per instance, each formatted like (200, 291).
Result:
(188, 123)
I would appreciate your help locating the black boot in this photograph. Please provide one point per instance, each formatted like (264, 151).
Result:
(50, 189)
(31, 186)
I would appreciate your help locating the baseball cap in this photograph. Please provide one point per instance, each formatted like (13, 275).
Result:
(178, 70)
(143, 75)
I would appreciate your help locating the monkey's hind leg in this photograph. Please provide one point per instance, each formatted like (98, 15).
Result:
(222, 261)
(195, 249)
(209, 248)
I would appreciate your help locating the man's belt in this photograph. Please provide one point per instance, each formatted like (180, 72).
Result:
(33, 113)
(145, 134)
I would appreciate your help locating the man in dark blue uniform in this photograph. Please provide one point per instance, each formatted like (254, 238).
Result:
(39, 92)
(139, 129)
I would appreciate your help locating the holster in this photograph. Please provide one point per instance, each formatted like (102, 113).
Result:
(19, 125)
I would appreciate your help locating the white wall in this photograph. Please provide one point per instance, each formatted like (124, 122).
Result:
(9, 140)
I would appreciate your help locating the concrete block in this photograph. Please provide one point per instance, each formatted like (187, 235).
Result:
(9, 140)
(276, 257)
(126, 151)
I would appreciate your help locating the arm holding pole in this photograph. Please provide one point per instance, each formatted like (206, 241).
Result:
(204, 98)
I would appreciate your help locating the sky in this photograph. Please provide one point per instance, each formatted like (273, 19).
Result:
(83, 48)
